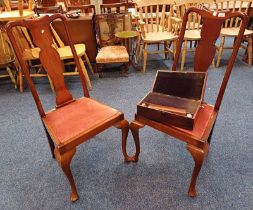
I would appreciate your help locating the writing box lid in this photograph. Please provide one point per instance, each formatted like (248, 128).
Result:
(189, 85)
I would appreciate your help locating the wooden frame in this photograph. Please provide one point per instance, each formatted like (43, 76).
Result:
(72, 121)
(198, 139)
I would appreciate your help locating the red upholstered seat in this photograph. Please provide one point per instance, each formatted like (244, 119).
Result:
(77, 118)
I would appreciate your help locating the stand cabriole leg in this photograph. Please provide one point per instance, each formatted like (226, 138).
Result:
(198, 157)
(64, 161)
(124, 126)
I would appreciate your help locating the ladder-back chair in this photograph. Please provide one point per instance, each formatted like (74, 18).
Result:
(72, 121)
(157, 25)
(199, 138)
(231, 27)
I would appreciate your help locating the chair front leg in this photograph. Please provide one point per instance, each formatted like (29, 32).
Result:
(198, 155)
(64, 161)
(124, 126)
(135, 126)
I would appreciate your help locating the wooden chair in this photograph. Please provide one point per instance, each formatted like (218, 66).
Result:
(7, 58)
(231, 27)
(157, 25)
(31, 54)
(72, 121)
(110, 52)
(47, 6)
(199, 138)
(113, 8)
(192, 33)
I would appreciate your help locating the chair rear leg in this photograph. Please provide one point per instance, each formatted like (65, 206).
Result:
(166, 54)
(64, 161)
(85, 73)
(198, 155)
(220, 51)
(145, 56)
(250, 50)
(184, 55)
(89, 64)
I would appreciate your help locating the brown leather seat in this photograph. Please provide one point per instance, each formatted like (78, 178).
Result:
(78, 118)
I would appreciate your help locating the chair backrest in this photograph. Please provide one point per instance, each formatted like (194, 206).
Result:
(155, 13)
(233, 5)
(107, 26)
(205, 51)
(113, 8)
(49, 57)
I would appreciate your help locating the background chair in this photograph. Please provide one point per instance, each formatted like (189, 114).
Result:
(199, 138)
(72, 121)
(231, 27)
(110, 52)
(157, 26)
(47, 6)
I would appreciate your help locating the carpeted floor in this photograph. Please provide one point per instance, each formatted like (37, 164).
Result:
(31, 179)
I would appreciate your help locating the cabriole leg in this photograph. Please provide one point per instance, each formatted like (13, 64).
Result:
(198, 157)
(135, 126)
(64, 161)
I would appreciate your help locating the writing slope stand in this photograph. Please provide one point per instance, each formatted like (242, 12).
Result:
(198, 139)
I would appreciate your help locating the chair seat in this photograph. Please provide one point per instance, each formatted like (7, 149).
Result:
(234, 32)
(159, 36)
(64, 52)
(192, 35)
(112, 54)
(77, 119)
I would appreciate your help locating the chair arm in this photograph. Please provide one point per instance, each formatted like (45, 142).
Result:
(141, 27)
(174, 25)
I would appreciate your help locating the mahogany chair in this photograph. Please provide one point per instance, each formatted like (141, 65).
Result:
(47, 6)
(110, 52)
(198, 139)
(72, 121)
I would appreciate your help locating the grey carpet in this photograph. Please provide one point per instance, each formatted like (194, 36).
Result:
(31, 179)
